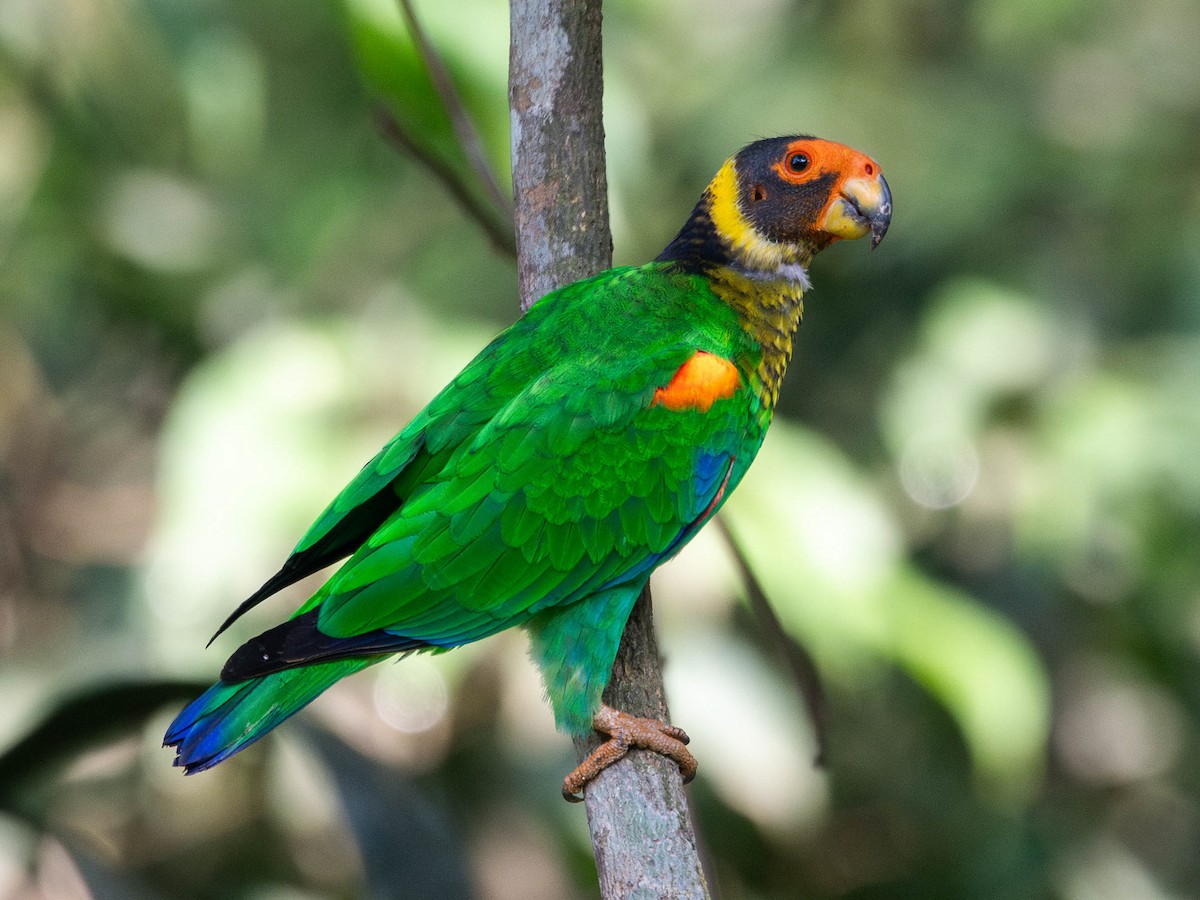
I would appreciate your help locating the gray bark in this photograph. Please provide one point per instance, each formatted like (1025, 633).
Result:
(637, 810)
(560, 189)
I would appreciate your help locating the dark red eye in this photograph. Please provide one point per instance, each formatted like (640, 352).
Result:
(798, 162)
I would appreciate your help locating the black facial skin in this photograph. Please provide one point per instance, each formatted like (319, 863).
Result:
(775, 206)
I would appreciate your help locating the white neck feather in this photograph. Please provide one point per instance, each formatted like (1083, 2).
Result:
(792, 273)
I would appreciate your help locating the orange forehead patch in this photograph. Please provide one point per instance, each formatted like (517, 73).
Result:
(824, 157)
(699, 383)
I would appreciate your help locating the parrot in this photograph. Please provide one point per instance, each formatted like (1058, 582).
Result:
(577, 452)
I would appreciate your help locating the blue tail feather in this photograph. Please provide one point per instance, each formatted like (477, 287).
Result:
(228, 718)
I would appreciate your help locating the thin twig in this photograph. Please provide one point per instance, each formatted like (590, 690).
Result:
(797, 659)
(460, 119)
(499, 232)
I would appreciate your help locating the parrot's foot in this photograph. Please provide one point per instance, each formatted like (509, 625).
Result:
(625, 731)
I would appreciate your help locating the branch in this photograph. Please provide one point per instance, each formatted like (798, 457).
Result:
(797, 659)
(456, 110)
(637, 809)
(501, 235)
(559, 184)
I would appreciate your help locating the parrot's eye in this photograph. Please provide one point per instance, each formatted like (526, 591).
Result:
(798, 162)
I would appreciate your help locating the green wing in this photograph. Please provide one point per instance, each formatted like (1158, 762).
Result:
(543, 474)
(383, 484)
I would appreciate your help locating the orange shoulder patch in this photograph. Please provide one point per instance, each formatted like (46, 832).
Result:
(699, 383)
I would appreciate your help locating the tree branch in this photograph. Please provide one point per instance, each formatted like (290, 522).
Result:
(795, 657)
(456, 110)
(637, 809)
(500, 233)
(559, 183)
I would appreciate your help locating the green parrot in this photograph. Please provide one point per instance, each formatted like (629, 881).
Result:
(581, 449)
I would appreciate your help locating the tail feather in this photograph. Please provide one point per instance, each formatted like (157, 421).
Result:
(230, 717)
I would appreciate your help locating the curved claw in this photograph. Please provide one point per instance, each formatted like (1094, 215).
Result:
(626, 731)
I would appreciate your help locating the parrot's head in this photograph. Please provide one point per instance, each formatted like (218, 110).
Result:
(780, 201)
(809, 192)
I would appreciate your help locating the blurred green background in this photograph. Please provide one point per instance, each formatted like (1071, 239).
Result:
(221, 290)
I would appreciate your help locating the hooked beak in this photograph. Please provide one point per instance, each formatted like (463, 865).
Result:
(864, 204)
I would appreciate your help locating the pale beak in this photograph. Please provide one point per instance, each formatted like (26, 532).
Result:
(864, 205)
